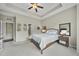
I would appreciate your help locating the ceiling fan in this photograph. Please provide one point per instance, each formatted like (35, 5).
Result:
(35, 6)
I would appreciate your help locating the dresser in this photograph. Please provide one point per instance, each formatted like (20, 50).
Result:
(64, 40)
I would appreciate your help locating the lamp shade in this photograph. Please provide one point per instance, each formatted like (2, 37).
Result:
(43, 31)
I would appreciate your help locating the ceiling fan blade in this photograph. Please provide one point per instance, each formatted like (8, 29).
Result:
(40, 7)
(36, 9)
(30, 7)
(32, 3)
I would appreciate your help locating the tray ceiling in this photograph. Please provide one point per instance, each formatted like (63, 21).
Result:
(22, 8)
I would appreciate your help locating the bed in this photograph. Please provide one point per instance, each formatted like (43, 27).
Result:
(44, 40)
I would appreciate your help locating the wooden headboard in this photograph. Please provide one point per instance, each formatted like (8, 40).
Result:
(52, 29)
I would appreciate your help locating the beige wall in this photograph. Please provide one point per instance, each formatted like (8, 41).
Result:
(78, 28)
(65, 16)
(22, 35)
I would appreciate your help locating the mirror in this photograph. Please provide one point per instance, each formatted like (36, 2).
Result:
(65, 29)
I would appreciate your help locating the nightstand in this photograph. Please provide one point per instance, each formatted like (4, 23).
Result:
(64, 40)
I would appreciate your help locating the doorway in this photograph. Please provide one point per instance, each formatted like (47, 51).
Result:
(9, 32)
(1, 34)
(9, 29)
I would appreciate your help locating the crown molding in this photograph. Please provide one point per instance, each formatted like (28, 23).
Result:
(65, 6)
(8, 9)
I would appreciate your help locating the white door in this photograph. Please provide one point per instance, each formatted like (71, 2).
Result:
(1, 34)
(9, 31)
(0, 28)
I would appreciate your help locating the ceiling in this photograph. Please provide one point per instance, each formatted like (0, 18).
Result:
(22, 8)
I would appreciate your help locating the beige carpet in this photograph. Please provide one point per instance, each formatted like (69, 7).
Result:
(29, 49)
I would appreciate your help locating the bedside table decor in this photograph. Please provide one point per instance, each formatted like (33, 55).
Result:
(62, 42)
(44, 29)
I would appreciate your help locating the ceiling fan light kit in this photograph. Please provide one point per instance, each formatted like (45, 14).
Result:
(35, 6)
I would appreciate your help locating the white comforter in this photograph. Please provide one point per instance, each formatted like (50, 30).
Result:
(44, 39)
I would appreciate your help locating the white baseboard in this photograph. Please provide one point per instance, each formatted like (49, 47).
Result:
(20, 42)
(72, 46)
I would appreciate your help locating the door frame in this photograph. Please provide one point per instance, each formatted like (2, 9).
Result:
(14, 30)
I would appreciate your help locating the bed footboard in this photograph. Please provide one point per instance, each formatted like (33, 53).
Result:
(35, 43)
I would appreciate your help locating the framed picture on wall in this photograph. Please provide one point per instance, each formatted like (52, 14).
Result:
(25, 27)
(18, 27)
(65, 29)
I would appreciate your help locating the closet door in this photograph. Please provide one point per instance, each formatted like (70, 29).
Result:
(1, 34)
(0, 29)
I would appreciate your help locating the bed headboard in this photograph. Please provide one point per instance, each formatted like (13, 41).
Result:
(53, 29)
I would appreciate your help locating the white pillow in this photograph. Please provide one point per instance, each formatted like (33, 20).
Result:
(52, 32)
